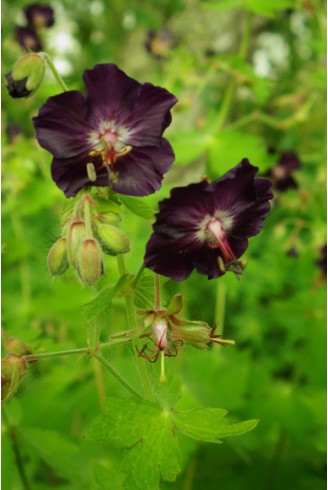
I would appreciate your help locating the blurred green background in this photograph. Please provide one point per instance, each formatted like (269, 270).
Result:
(250, 76)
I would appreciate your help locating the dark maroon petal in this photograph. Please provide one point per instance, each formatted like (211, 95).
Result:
(235, 189)
(249, 222)
(28, 38)
(151, 115)
(40, 15)
(206, 262)
(290, 161)
(169, 257)
(184, 210)
(141, 171)
(71, 176)
(60, 125)
(111, 94)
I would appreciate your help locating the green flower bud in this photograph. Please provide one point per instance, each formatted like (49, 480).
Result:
(113, 240)
(90, 261)
(76, 235)
(13, 369)
(57, 258)
(26, 76)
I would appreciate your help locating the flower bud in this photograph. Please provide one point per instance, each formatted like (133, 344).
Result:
(76, 235)
(16, 346)
(90, 261)
(13, 369)
(198, 334)
(57, 258)
(113, 240)
(26, 76)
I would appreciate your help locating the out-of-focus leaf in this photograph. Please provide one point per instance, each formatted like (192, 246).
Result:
(138, 206)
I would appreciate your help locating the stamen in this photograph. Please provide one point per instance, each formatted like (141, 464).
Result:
(91, 171)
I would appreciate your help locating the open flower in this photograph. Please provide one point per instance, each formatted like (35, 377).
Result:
(282, 173)
(117, 128)
(39, 15)
(206, 226)
(28, 38)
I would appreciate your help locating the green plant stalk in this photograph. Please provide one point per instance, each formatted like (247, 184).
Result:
(157, 293)
(136, 278)
(87, 215)
(116, 375)
(71, 352)
(130, 312)
(16, 448)
(55, 72)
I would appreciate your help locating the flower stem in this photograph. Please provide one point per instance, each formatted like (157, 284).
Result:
(220, 306)
(55, 72)
(116, 375)
(136, 278)
(87, 215)
(130, 312)
(16, 448)
(157, 293)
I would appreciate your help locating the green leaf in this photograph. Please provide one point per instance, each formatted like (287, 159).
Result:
(154, 452)
(153, 448)
(267, 8)
(55, 450)
(207, 424)
(97, 310)
(229, 147)
(138, 206)
(144, 296)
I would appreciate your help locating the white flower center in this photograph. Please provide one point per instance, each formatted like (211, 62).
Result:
(213, 230)
(109, 141)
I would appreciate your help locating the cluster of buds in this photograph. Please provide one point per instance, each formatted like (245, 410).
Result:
(86, 235)
(167, 333)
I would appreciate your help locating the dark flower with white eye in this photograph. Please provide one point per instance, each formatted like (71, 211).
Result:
(28, 38)
(206, 226)
(112, 136)
(39, 15)
(281, 174)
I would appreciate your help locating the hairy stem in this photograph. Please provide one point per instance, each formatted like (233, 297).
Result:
(157, 293)
(16, 448)
(55, 72)
(116, 375)
(87, 215)
(136, 278)
(130, 312)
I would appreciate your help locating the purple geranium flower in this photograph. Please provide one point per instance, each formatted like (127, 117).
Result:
(39, 15)
(116, 130)
(282, 173)
(206, 226)
(28, 38)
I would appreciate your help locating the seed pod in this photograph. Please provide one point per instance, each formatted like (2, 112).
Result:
(90, 261)
(57, 258)
(26, 76)
(113, 240)
(13, 369)
(76, 235)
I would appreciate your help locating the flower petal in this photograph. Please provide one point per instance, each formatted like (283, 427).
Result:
(111, 94)
(140, 172)
(170, 257)
(151, 116)
(184, 210)
(60, 125)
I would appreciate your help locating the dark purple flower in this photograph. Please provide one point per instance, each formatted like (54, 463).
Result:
(160, 42)
(206, 226)
(282, 173)
(28, 38)
(39, 15)
(117, 128)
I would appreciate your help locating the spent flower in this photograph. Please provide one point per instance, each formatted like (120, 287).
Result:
(206, 226)
(39, 15)
(112, 136)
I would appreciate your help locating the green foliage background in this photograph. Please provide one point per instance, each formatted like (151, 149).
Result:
(249, 75)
